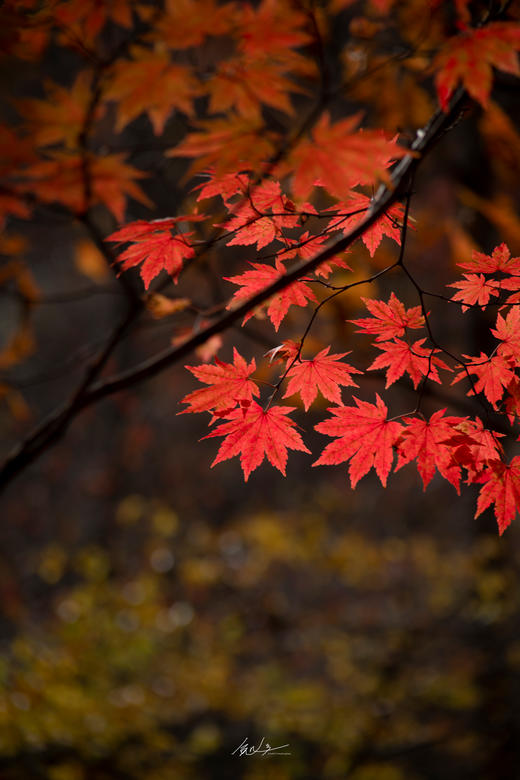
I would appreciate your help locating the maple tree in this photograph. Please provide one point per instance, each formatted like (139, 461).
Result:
(297, 168)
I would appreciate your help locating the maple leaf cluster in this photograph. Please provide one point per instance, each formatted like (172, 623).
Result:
(364, 435)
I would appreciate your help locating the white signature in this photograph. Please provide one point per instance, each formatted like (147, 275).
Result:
(262, 749)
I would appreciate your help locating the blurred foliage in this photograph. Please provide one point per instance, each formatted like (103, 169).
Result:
(167, 648)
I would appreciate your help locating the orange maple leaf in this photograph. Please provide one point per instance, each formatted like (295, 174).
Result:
(150, 83)
(380, 6)
(186, 23)
(228, 145)
(245, 84)
(12, 204)
(62, 179)
(82, 20)
(470, 58)
(272, 29)
(61, 116)
(16, 154)
(23, 34)
(339, 156)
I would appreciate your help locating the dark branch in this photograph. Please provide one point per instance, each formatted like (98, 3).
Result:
(90, 391)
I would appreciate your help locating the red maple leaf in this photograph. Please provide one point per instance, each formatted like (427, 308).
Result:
(486, 445)
(400, 357)
(365, 437)
(512, 400)
(501, 488)
(494, 374)
(329, 266)
(508, 332)
(356, 206)
(251, 220)
(470, 58)
(475, 289)
(324, 373)
(389, 320)
(254, 434)
(251, 282)
(511, 283)
(307, 246)
(249, 228)
(426, 441)
(499, 260)
(154, 246)
(226, 186)
(286, 351)
(473, 446)
(228, 383)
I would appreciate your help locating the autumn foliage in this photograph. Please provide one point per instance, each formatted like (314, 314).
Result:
(298, 187)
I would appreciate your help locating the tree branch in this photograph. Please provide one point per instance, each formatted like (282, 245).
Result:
(55, 425)
(90, 391)
(386, 197)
